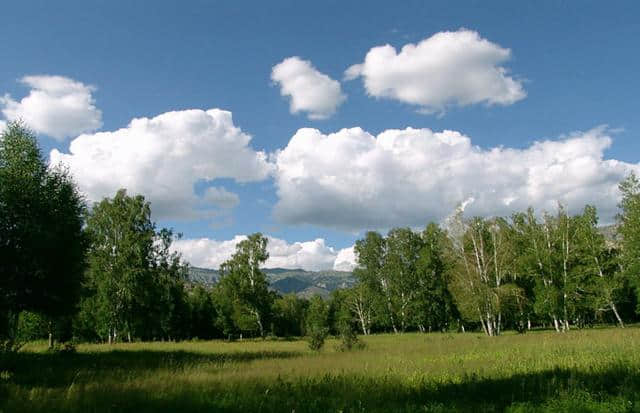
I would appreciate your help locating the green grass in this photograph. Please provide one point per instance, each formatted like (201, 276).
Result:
(591, 370)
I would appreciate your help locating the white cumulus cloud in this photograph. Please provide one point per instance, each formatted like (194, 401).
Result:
(355, 181)
(309, 255)
(449, 68)
(345, 260)
(220, 197)
(309, 90)
(206, 252)
(55, 106)
(163, 158)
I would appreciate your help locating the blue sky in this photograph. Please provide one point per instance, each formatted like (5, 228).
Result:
(576, 62)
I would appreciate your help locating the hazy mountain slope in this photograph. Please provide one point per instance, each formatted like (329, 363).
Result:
(301, 282)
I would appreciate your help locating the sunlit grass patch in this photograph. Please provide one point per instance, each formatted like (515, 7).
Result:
(589, 370)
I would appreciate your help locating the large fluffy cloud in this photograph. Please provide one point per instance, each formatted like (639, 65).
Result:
(56, 106)
(448, 68)
(345, 260)
(163, 158)
(309, 90)
(310, 255)
(353, 180)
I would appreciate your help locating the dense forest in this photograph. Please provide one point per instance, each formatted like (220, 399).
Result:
(107, 273)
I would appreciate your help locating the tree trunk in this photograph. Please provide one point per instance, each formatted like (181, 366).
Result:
(362, 324)
(260, 325)
(390, 309)
(50, 336)
(615, 311)
(565, 324)
(484, 326)
(393, 324)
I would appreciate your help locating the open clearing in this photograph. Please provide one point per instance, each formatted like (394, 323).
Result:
(588, 370)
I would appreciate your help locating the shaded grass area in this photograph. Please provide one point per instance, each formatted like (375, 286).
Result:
(60, 370)
(581, 371)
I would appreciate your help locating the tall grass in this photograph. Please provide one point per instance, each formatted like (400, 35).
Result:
(594, 370)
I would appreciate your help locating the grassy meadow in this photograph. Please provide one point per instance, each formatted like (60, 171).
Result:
(588, 370)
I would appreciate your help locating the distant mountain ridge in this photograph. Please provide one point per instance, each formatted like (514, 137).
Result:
(297, 281)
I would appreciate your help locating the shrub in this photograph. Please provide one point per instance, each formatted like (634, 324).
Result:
(317, 337)
(349, 339)
(31, 326)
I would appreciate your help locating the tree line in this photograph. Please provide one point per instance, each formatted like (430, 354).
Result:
(107, 273)
(546, 270)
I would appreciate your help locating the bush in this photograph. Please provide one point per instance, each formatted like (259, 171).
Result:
(32, 326)
(349, 339)
(317, 337)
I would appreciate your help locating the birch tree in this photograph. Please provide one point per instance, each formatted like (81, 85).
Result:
(542, 264)
(400, 268)
(481, 273)
(599, 263)
(135, 284)
(432, 307)
(371, 272)
(629, 232)
(360, 303)
(247, 286)
(120, 256)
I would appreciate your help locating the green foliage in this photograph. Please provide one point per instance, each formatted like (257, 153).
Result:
(433, 307)
(203, 314)
(403, 277)
(349, 339)
(246, 299)
(339, 312)
(32, 326)
(317, 337)
(42, 244)
(289, 316)
(317, 323)
(317, 314)
(629, 230)
(135, 284)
